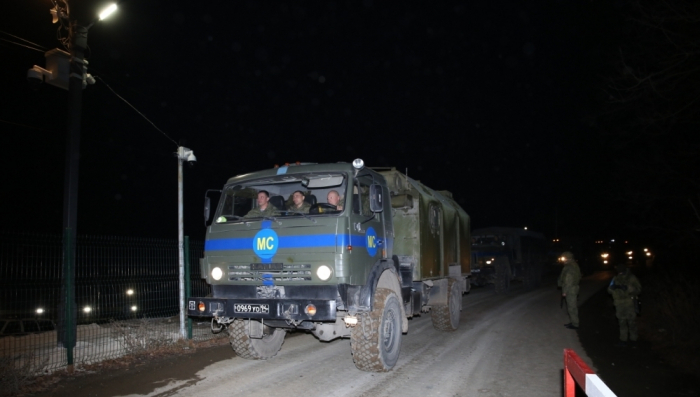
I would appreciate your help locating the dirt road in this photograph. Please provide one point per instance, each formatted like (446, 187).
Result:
(506, 345)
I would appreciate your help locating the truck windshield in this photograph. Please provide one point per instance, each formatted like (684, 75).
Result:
(288, 195)
(488, 241)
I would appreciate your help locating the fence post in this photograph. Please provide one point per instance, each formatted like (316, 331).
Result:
(67, 332)
(188, 283)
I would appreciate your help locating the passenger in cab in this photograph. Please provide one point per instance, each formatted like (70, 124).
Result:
(264, 207)
(298, 203)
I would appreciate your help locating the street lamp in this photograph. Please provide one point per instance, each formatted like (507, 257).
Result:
(183, 155)
(69, 71)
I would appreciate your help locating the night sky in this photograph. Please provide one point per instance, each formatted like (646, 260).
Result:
(490, 100)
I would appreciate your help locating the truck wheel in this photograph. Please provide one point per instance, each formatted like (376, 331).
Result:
(502, 282)
(253, 348)
(376, 340)
(446, 317)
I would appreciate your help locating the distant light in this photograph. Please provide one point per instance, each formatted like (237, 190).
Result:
(87, 309)
(108, 11)
(630, 257)
(525, 227)
(130, 291)
(39, 311)
(134, 308)
(629, 252)
(605, 261)
(646, 249)
(648, 253)
(488, 262)
(612, 241)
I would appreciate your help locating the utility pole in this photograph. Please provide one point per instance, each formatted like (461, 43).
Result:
(74, 78)
(183, 154)
(78, 39)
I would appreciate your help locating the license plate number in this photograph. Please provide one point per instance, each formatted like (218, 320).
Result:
(251, 308)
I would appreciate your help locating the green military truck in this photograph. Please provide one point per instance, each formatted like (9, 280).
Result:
(504, 254)
(391, 249)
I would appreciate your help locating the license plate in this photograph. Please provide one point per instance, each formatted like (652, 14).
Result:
(266, 266)
(251, 308)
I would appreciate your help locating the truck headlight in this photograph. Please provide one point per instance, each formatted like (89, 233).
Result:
(323, 272)
(217, 273)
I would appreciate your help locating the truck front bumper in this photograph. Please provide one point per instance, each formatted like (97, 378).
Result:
(267, 309)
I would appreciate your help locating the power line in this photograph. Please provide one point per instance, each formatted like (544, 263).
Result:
(21, 45)
(19, 38)
(136, 110)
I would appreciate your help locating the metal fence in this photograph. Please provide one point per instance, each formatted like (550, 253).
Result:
(126, 292)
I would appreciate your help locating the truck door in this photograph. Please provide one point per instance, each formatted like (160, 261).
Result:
(367, 233)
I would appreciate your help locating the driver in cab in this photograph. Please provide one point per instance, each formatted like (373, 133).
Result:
(333, 199)
(264, 207)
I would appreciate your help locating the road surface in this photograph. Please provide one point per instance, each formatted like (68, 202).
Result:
(506, 345)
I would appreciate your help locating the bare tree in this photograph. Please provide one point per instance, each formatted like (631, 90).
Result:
(651, 121)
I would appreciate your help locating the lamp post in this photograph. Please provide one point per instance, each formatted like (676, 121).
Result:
(183, 154)
(77, 80)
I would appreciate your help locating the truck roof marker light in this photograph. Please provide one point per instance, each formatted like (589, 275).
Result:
(349, 248)
(201, 306)
(310, 309)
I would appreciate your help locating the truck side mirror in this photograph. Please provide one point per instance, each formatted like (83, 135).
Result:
(376, 199)
(207, 209)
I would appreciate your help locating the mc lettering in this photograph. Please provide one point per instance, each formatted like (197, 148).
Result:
(265, 243)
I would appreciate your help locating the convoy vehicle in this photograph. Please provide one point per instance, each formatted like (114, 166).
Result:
(503, 254)
(390, 250)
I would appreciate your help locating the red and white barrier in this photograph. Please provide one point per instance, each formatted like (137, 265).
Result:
(576, 371)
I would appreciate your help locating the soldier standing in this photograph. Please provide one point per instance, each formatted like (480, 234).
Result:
(264, 206)
(299, 205)
(624, 288)
(568, 281)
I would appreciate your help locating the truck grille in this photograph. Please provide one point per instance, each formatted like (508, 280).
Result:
(291, 272)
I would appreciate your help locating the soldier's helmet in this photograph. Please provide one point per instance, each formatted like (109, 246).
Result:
(567, 255)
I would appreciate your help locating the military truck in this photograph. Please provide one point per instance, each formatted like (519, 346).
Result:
(504, 254)
(391, 249)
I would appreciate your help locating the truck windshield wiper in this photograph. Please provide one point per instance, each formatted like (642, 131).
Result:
(272, 218)
(304, 215)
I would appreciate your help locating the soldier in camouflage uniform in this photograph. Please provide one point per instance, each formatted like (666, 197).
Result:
(264, 207)
(298, 203)
(568, 281)
(624, 288)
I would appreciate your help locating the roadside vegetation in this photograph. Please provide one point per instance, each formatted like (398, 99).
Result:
(670, 317)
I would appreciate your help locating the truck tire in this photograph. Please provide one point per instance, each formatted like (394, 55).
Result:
(446, 317)
(253, 348)
(502, 281)
(376, 340)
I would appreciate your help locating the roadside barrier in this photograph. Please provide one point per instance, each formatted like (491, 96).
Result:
(576, 371)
